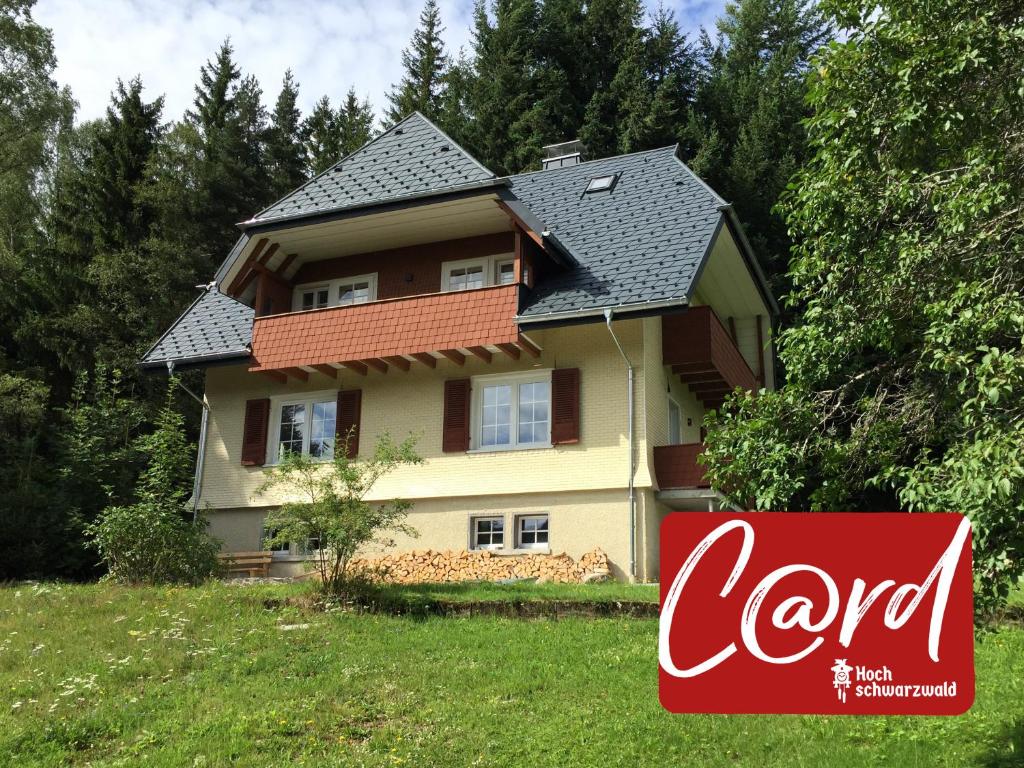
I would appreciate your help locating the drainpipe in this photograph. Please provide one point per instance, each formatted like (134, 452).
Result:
(630, 395)
(201, 455)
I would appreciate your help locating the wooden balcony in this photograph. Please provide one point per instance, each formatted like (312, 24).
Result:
(704, 355)
(395, 333)
(675, 466)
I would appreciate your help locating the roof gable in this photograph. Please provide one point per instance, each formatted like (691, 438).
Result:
(642, 241)
(412, 157)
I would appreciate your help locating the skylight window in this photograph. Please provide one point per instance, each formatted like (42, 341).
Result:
(602, 183)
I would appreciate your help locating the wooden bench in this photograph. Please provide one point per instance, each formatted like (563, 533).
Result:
(248, 563)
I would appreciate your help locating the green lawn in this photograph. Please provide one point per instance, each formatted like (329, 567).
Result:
(102, 676)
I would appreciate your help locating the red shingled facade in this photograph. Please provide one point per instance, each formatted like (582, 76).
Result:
(428, 323)
(676, 466)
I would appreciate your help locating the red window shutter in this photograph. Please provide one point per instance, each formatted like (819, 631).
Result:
(350, 402)
(565, 406)
(254, 432)
(455, 432)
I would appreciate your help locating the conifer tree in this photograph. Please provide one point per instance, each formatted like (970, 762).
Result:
(322, 132)
(285, 152)
(356, 123)
(752, 100)
(425, 66)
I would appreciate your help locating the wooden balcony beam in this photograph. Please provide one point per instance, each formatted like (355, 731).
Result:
(531, 349)
(426, 358)
(286, 263)
(257, 251)
(326, 370)
(510, 349)
(297, 373)
(482, 352)
(277, 376)
(454, 355)
(376, 363)
(355, 367)
(398, 362)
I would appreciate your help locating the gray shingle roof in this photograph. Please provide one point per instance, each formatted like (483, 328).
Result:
(215, 326)
(643, 241)
(414, 156)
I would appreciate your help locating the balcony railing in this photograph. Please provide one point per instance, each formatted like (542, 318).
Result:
(676, 466)
(387, 333)
(704, 355)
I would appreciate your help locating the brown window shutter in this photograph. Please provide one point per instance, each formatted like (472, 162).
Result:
(565, 406)
(350, 402)
(254, 432)
(455, 432)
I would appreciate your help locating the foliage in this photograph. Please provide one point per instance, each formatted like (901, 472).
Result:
(333, 511)
(151, 541)
(906, 370)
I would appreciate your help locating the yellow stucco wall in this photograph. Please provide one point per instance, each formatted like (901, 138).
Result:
(404, 403)
(578, 523)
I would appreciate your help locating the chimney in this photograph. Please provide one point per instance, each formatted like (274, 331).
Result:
(561, 155)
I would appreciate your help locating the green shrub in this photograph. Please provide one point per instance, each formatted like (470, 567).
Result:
(153, 541)
(333, 511)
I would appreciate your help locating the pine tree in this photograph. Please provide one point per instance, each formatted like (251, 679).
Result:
(614, 38)
(285, 151)
(752, 96)
(507, 131)
(656, 113)
(356, 123)
(322, 132)
(233, 179)
(425, 65)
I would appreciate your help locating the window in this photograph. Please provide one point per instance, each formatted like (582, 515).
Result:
(464, 278)
(512, 412)
(315, 298)
(675, 423)
(602, 183)
(488, 533)
(281, 548)
(358, 289)
(478, 273)
(305, 427)
(504, 272)
(532, 532)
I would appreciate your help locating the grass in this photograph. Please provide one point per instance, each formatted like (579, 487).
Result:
(467, 592)
(102, 676)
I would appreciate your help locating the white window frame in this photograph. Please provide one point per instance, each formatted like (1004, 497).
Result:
(307, 400)
(301, 289)
(477, 407)
(370, 280)
(498, 263)
(333, 288)
(473, 531)
(489, 265)
(519, 531)
(672, 402)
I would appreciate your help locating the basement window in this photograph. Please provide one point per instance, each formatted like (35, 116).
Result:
(488, 532)
(532, 532)
(602, 183)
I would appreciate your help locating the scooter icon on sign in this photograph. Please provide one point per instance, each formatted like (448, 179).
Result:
(841, 678)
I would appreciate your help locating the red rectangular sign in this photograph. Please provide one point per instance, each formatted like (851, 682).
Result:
(830, 613)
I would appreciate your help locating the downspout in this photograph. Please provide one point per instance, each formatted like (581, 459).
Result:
(201, 455)
(630, 395)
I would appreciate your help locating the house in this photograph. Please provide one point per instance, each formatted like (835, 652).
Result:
(553, 337)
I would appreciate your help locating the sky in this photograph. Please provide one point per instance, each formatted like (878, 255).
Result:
(330, 45)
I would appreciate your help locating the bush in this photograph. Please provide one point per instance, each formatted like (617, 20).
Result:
(152, 541)
(333, 511)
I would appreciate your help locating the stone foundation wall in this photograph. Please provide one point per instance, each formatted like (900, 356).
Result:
(433, 566)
